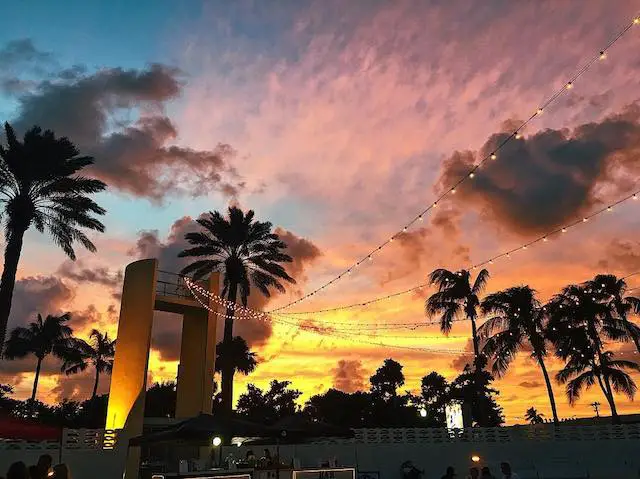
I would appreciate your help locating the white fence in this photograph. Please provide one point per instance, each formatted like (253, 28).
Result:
(72, 439)
(542, 432)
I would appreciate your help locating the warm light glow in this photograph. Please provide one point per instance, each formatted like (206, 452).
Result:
(493, 156)
(453, 413)
(540, 110)
(636, 20)
(475, 458)
(423, 412)
(216, 441)
(453, 191)
(518, 136)
(471, 175)
(564, 230)
(603, 55)
(569, 86)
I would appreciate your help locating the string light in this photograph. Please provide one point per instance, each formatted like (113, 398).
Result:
(260, 314)
(452, 190)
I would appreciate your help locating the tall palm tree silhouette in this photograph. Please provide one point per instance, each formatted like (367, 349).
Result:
(611, 290)
(235, 356)
(579, 325)
(518, 322)
(583, 371)
(456, 297)
(98, 353)
(40, 186)
(248, 254)
(41, 338)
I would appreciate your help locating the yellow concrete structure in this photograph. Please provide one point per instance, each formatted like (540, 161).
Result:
(142, 294)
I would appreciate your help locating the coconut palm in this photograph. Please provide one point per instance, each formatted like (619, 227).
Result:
(579, 325)
(518, 322)
(533, 416)
(98, 353)
(456, 297)
(583, 370)
(235, 356)
(41, 338)
(40, 186)
(248, 254)
(611, 290)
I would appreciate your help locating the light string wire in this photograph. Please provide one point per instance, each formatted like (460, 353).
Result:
(357, 337)
(255, 314)
(515, 134)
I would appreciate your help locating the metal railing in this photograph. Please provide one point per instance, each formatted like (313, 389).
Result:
(172, 284)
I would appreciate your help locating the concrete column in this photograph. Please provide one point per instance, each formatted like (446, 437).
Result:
(125, 410)
(197, 359)
(129, 376)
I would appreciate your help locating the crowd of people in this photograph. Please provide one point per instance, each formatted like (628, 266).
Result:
(44, 469)
(484, 472)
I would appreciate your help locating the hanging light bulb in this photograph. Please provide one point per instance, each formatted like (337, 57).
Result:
(539, 112)
(603, 55)
(420, 218)
(453, 191)
(493, 156)
(569, 85)
(584, 220)
(518, 136)
(545, 239)
(609, 208)
(564, 230)
(636, 21)
(635, 197)
(471, 175)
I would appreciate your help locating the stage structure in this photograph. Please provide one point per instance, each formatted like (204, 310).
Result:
(145, 290)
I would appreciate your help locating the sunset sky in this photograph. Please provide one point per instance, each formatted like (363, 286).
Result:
(338, 122)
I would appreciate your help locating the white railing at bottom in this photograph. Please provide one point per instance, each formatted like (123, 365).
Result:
(72, 439)
(96, 439)
(543, 432)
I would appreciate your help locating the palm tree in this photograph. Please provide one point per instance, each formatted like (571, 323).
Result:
(583, 371)
(518, 323)
(40, 186)
(533, 416)
(248, 254)
(99, 353)
(611, 290)
(580, 323)
(235, 356)
(456, 297)
(41, 338)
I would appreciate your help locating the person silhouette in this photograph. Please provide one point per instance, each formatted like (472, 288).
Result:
(486, 473)
(450, 474)
(507, 473)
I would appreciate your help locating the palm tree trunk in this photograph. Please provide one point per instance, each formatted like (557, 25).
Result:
(615, 419)
(227, 371)
(476, 390)
(35, 380)
(95, 384)
(476, 341)
(552, 399)
(609, 397)
(7, 283)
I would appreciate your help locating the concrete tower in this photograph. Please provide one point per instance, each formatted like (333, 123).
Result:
(146, 290)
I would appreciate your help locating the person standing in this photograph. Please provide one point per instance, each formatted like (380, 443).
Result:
(450, 474)
(486, 473)
(507, 473)
(474, 473)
